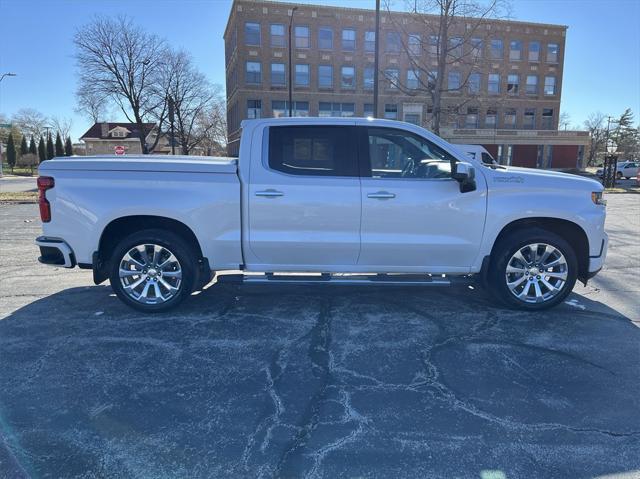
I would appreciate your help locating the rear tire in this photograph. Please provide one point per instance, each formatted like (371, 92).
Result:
(532, 269)
(153, 270)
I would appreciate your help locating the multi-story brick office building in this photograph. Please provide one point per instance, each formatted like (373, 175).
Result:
(508, 100)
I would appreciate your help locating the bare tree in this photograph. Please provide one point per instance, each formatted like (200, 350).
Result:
(91, 103)
(445, 36)
(31, 122)
(61, 126)
(565, 120)
(595, 125)
(212, 126)
(121, 63)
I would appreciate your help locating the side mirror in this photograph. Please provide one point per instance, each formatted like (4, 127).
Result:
(465, 174)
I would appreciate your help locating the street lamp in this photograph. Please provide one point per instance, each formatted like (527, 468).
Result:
(7, 75)
(612, 147)
(610, 167)
(293, 10)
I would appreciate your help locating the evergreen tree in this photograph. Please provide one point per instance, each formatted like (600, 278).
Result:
(32, 147)
(50, 151)
(42, 150)
(11, 152)
(625, 132)
(24, 149)
(68, 147)
(59, 145)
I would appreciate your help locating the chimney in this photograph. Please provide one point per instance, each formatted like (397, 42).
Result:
(104, 130)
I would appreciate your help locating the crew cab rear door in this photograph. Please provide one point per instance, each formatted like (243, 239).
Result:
(304, 199)
(414, 216)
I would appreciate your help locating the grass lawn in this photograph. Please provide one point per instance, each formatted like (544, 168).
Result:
(21, 197)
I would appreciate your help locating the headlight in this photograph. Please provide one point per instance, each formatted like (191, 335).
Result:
(597, 199)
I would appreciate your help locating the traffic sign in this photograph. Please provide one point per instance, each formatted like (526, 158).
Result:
(119, 150)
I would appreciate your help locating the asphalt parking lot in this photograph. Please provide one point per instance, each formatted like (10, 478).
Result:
(298, 381)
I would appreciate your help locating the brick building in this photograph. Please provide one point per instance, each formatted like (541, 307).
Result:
(508, 99)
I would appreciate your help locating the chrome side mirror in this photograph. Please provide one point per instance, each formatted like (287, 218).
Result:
(465, 174)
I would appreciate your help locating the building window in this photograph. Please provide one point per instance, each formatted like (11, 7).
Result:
(550, 85)
(325, 38)
(369, 41)
(455, 47)
(278, 77)
(391, 111)
(547, 119)
(336, 109)
(491, 118)
(393, 78)
(513, 84)
(534, 51)
(254, 72)
(471, 120)
(302, 75)
(476, 48)
(349, 40)
(515, 50)
(368, 109)
(252, 34)
(368, 78)
(412, 79)
(454, 81)
(415, 44)
(302, 37)
(254, 109)
(280, 108)
(474, 83)
(413, 118)
(529, 121)
(394, 42)
(277, 35)
(325, 76)
(532, 85)
(348, 77)
(493, 83)
(434, 45)
(552, 53)
(510, 118)
(496, 49)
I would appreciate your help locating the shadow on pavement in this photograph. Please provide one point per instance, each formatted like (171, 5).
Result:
(292, 381)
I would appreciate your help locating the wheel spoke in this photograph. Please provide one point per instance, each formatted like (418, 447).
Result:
(123, 273)
(172, 274)
(518, 255)
(558, 275)
(513, 269)
(170, 259)
(156, 254)
(549, 286)
(169, 287)
(156, 290)
(517, 282)
(538, 291)
(145, 290)
(556, 262)
(134, 285)
(130, 259)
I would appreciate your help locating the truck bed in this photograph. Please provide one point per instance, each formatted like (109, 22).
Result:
(161, 163)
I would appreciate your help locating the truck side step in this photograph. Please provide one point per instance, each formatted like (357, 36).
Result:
(340, 278)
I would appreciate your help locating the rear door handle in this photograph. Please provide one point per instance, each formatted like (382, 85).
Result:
(269, 193)
(381, 195)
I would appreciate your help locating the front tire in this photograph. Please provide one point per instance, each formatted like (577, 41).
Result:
(533, 269)
(153, 270)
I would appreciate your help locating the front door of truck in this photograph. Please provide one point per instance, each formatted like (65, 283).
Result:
(414, 216)
(304, 200)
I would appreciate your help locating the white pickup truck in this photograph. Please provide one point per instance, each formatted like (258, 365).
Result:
(344, 200)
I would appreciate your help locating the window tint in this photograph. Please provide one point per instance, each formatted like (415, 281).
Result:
(401, 154)
(313, 150)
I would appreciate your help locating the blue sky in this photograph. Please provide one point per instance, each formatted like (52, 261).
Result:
(602, 61)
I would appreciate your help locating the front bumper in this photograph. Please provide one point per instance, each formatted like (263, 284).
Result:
(55, 252)
(597, 262)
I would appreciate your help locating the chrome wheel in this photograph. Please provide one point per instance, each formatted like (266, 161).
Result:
(536, 273)
(150, 274)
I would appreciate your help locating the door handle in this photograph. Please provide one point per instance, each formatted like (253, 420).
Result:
(269, 193)
(381, 195)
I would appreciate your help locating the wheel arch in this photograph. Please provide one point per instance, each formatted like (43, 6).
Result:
(126, 225)
(570, 231)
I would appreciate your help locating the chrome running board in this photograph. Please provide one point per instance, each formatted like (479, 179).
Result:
(338, 279)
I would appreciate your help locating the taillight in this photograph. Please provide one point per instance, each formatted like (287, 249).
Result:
(44, 183)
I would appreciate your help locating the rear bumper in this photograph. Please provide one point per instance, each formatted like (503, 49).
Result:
(55, 252)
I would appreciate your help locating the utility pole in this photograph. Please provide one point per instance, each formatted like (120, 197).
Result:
(376, 61)
(293, 10)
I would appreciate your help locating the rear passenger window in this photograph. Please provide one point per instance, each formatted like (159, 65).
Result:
(313, 150)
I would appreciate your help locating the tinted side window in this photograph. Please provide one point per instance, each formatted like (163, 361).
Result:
(401, 154)
(313, 150)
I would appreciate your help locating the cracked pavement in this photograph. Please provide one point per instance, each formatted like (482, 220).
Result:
(317, 381)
